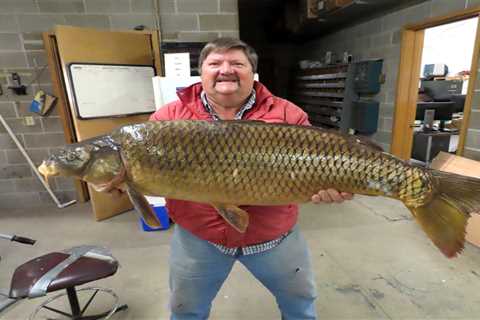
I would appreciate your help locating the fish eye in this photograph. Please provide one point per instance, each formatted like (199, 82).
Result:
(71, 156)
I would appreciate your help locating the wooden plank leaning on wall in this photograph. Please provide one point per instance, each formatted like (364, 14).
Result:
(72, 44)
(54, 67)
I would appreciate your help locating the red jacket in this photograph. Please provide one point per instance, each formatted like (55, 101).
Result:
(266, 222)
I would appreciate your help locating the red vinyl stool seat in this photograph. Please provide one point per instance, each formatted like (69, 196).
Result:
(83, 270)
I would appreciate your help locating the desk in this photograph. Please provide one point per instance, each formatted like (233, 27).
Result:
(427, 144)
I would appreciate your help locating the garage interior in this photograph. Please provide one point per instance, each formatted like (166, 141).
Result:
(371, 259)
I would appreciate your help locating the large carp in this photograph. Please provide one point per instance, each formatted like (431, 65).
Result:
(232, 163)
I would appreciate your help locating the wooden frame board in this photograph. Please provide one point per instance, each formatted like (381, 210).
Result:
(50, 43)
(407, 92)
(72, 44)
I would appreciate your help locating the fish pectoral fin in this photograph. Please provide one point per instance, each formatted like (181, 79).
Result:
(115, 183)
(236, 217)
(143, 208)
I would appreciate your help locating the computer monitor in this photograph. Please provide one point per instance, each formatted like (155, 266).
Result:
(441, 90)
(443, 110)
(459, 102)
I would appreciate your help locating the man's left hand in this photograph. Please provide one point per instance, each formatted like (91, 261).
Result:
(331, 195)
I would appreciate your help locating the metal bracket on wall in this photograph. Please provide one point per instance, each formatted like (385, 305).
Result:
(18, 88)
(14, 82)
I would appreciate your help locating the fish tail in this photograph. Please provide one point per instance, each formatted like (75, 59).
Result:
(444, 217)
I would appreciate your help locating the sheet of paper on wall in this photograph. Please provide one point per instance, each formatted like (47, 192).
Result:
(165, 88)
(453, 143)
(177, 65)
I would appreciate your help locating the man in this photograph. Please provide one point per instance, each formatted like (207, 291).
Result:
(204, 246)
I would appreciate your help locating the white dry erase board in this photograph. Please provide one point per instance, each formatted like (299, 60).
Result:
(109, 90)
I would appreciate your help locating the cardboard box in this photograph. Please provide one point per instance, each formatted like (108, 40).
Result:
(466, 167)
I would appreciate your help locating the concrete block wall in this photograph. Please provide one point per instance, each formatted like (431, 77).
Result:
(21, 51)
(380, 38)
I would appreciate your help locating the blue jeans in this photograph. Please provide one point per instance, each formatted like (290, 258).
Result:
(198, 270)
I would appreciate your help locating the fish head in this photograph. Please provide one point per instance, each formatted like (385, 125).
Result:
(96, 161)
(69, 161)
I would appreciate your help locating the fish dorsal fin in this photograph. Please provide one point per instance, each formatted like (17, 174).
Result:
(236, 217)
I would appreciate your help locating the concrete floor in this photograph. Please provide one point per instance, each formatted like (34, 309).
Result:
(371, 259)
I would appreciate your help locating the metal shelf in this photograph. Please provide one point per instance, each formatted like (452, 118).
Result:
(322, 110)
(340, 75)
(323, 93)
(314, 101)
(320, 94)
(332, 85)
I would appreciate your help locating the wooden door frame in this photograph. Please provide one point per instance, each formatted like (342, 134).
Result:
(411, 49)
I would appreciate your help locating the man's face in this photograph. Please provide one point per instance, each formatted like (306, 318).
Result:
(227, 73)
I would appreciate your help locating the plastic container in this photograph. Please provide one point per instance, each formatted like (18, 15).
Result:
(158, 205)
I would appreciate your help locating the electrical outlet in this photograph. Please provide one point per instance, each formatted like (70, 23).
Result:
(29, 121)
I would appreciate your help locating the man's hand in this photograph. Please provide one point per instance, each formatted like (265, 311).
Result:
(331, 195)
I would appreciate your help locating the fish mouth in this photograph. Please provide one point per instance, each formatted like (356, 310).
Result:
(48, 170)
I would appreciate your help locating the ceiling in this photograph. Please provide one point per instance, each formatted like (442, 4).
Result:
(270, 16)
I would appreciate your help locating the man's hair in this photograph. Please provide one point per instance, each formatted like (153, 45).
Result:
(224, 44)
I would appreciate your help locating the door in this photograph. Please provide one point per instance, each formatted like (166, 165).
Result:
(408, 83)
(84, 45)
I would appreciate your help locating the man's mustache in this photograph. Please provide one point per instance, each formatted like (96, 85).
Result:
(227, 79)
